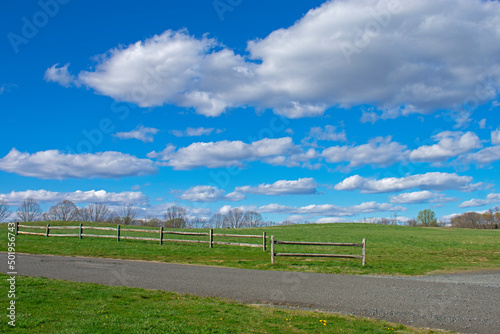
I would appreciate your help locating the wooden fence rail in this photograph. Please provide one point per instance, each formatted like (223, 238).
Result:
(119, 234)
(310, 243)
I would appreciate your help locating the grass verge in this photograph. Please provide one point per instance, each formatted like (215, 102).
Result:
(56, 306)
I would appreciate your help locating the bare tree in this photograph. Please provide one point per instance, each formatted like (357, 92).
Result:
(151, 222)
(394, 218)
(252, 219)
(127, 214)
(97, 212)
(29, 211)
(64, 211)
(487, 220)
(198, 223)
(176, 217)
(217, 221)
(83, 215)
(234, 218)
(4, 210)
(287, 222)
(384, 221)
(412, 222)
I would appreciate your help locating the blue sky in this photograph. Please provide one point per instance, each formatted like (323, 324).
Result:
(319, 111)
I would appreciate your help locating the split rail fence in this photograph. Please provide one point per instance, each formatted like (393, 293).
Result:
(276, 242)
(81, 229)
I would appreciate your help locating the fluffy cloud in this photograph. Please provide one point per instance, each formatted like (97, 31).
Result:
(343, 53)
(329, 133)
(450, 144)
(226, 208)
(330, 209)
(224, 153)
(195, 132)
(61, 75)
(304, 186)
(416, 197)
(484, 157)
(428, 181)
(141, 133)
(490, 199)
(495, 137)
(92, 196)
(209, 194)
(173, 68)
(379, 151)
(487, 155)
(54, 164)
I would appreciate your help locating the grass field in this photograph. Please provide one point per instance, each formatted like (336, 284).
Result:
(54, 306)
(391, 250)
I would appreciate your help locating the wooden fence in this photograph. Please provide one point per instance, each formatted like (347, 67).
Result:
(276, 242)
(161, 233)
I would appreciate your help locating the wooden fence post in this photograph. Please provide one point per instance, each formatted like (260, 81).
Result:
(272, 249)
(264, 241)
(161, 235)
(364, 251)
(17, 228)
(211, 237)
(80, 232)
(47, 230)
(118, 233)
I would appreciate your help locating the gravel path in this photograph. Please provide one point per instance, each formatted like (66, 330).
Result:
(463, 303)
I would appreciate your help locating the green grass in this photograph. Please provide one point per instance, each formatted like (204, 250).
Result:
(391, 250)
(55, 306)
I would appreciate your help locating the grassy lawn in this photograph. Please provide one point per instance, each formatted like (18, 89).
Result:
(55, 306)
(391, 250)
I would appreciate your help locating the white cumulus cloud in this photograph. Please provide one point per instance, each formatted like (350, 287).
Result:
(303, 186)
(495, 137)
(428, 181)
(416, 197)
(401, 57)
(141, 133)
(492, 198)
(91, 196)
(209, 194)
(450, 144)
(379, 151)
(330, 209)
(54, 164)
(195, 132)
(484, 157)
(61, 75)
(223, 153)
(329, 133)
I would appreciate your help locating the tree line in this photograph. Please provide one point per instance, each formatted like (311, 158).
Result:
(177, 217)
(173, 217)
(486, 220)
(427, 218)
